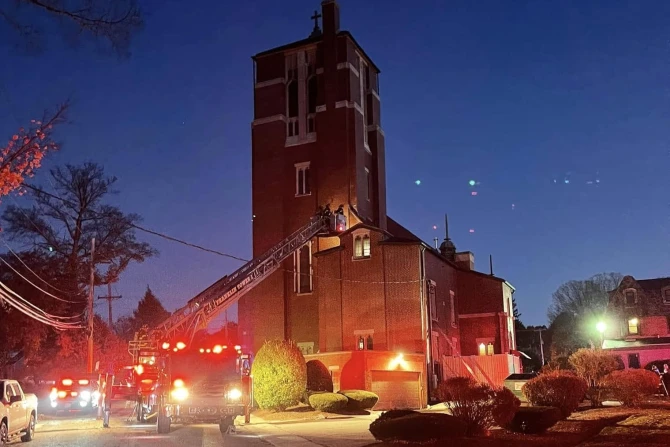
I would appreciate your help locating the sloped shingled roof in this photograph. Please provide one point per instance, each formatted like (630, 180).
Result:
(400, 233)
(654, 283)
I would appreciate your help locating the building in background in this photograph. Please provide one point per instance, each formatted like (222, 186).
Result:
(638, 321)
(383, 310)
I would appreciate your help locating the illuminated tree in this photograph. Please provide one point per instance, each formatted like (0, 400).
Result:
(24, 151)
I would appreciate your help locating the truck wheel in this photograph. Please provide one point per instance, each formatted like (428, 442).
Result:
(225, 424)
(4, 433)
(30, 430)
(163, 424)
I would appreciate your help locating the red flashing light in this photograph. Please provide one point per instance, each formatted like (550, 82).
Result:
(181, 345)
(139, 369)
(83, 382)
(67, 382)
(202, 350)
(166, 345)
(175, 349)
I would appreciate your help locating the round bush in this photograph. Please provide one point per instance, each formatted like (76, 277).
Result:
(632, 386)
(280, 375)
(328, 402)
(478, 405)
(360, 399)
(562, 390)
(417, 427)
(534, 420)
(318, 377)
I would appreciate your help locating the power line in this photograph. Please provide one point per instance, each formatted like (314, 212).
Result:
(170, 238)
(146, 230)
(35, 286)
(31, 270)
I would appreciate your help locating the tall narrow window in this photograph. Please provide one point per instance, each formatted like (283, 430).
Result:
(303, 268)
(489, 349)
(452, 308)
(292, 102)
(358, 247)
(666, 296)
(363, 70)
(366, 246)
(311, 104)
(633, 326)
(432, 299)
(631, 300)
(361, 244)
(369, 343)
(482, 349)
(302, 179)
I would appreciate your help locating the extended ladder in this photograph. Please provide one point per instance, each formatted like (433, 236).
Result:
(205, 306)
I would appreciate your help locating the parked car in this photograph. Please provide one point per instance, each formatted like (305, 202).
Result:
(18, 412)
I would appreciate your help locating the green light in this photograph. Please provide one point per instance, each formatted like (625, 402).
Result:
(472, 182)
(418, 182)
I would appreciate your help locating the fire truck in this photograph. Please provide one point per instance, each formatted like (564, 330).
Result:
(176, 381)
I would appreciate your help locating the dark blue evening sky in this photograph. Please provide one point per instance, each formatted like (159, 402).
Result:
(513, 95)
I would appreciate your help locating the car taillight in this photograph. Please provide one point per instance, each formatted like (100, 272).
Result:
(83, 382)
(67, 382)
(62, 394)
(74, 394)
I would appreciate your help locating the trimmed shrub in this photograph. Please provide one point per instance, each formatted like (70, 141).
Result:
(534, 420)
(318, 377)
(632, 386)
(563, 390)
(328, 402)
(394, 414)
(478, 405)
(416, 427)
(359, 399)
(592, 366)
(280, 375)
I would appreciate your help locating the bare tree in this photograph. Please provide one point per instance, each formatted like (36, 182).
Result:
(584, 298)
(64, 223)
(112, 21)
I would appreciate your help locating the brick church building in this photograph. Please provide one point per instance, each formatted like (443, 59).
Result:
(380, 308)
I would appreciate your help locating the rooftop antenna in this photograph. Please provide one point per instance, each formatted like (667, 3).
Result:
(435, 239)
(491, 264)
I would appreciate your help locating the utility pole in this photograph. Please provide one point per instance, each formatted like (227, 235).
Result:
(109, 299)
(91, 288)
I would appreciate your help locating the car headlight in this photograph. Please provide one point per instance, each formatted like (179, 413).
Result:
(179, 393)
(85, 395)
(234, 394)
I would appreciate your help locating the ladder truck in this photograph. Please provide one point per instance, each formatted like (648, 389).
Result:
(196, 393)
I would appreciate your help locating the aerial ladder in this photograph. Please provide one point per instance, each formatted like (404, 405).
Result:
(207, 305)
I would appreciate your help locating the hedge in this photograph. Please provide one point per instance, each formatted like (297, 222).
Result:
(328, 402)
(534, 420)
(417, 427)
(562, 390)
(632, 386)
(318, 377)
(280, 375)
(360, 399)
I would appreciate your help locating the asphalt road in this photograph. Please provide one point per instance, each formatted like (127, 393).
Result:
(76, 431)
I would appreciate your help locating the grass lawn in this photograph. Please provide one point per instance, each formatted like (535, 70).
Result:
(603, 427)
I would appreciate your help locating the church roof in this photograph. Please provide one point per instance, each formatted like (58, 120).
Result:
(400, 233)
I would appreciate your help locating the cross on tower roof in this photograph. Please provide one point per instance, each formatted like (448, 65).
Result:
(316, 31)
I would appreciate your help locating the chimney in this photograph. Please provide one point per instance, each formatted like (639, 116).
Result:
(465, 260)
(330, 11)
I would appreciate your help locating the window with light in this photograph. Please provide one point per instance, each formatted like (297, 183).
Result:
(633, 326)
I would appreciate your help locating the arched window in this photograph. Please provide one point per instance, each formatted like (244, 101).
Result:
(630, 297)
(366, 246)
